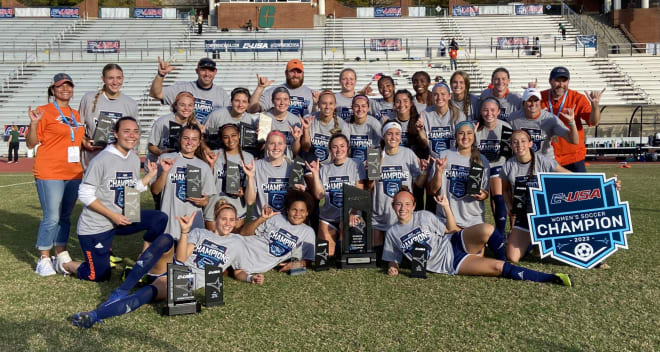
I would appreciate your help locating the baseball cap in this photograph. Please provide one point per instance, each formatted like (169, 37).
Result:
(294, 64)
(60, 79)
(206, 63)
(531, 92)
(560, 71)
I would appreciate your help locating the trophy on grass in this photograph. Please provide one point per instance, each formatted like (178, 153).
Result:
(213, 290)
(357, 249)
(321, 255)
(419, 255)
(297, 264)
(132, 204)
(180, 295)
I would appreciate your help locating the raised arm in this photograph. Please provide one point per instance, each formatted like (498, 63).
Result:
(156, 90)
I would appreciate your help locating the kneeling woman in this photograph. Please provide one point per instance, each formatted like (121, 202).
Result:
(328, 183)
(192, 250)
(102, 192)
(273, 238)
(450, 249)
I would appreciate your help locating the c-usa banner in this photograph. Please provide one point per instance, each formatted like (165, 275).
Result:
(6, 12)
(465, 11)
(139, 12)
(64, 12)
(522, 10)
(387, 12)
(578, 219)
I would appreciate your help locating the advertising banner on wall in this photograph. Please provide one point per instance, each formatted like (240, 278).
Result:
(386, 44)
(139, 12)
(64, 12)
(103, 46)
(524, 10)
(387, 12)
(465, 11)
(252, 45)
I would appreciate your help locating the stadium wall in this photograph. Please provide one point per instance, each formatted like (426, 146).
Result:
(641, 23)
(236, 15)
(91, 7)
(333, 7)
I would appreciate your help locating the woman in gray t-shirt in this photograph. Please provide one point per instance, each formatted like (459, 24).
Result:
(363, 130)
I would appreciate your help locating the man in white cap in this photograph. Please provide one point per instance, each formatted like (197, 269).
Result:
(208, 97)
(302, 97)
(542, 125)
(586, 111)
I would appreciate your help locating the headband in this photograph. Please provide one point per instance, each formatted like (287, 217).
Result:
(464, 123)
(497, 102)
(276, 133)
(442, 85)
(391, 124)
(358, 97)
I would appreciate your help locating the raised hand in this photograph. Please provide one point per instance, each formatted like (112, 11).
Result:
(166, 164)
(268, 212)
(306, 121)
(186, 222)
(296, 132)
(248, 168)
(152, 166)
(263, 81)
(441, 199)
(211, 157)
(367, 90)
(594, 96)
(424, 163)
(164, 67)
(419, 126)
(314, 166)
(440, 163)
(35, 115)
(532, 84)
(569, 115)
(315, 96)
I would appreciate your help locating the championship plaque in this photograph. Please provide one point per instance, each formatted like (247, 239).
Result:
(297, 265)
(103, 130)
(297, 176)
(180, 296)
(265, 126)
(174, 133)
(213, 290)
(475, 177)
(505, 142)
(193, 182)
(232, 178)
(418, 255)
(321, 255)
(132, 204)
(356, 250)
(213, 139)
(249, 136)
(373, 160)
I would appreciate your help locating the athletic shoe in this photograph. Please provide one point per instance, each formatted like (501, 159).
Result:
(59, 262)
(564, 279)
(9, 162)
(115, 296)
(85, 320)
(115, 259)
(45, 267)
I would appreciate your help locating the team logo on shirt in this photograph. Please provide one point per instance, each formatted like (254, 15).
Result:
(119, 183)
(179, 179)
(359, 144)
(440, 138)
(335, 189)
(503, 114)
(457, 177)
(203, 109)
(276, 190)
(209, 253)
(298, 106)
(320, 143)
(578, 219)
(490, 148)
(416, 236)
(345, 113)
(281, 242)
(404, 139)
(392, 178)
(385, 114)
(537, 137)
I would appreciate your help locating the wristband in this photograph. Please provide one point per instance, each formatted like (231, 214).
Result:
(162, 76)
(249, 278)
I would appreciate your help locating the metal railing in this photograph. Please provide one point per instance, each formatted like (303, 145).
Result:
(633, 49)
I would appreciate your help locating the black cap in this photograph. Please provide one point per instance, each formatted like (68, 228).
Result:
(560, 71)
(206, 63)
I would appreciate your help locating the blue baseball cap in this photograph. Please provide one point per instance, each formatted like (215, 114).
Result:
(61, 78)
(560, 71)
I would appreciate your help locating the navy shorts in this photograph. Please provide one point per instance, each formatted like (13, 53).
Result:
(458, 247)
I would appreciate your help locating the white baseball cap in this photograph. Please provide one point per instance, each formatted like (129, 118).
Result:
(531, 92)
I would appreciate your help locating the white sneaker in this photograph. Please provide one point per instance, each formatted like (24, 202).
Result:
(59, 262)
(45, 267)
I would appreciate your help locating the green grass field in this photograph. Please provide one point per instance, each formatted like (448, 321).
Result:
(608, 310)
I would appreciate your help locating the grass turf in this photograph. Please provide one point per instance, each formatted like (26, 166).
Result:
(614, 309)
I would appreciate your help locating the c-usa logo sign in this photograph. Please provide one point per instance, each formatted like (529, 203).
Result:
(578, 219)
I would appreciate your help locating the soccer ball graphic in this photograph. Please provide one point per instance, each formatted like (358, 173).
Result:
(584, 250)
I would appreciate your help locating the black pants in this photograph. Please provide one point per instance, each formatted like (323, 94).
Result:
(13, 147)
(199, 29)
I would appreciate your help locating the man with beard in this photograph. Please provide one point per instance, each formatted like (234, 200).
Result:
(208, 97)
(587, 111)
(302, 97)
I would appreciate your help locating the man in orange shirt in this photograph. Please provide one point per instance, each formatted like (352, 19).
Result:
(587, 111)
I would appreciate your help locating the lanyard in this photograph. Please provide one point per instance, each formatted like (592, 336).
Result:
(75, 123)
(561, 107)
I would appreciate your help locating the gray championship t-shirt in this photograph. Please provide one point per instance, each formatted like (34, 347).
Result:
(467, 210)
(401, 169)
(160, 135)
(113, 108)
(219, 170)
(320, 135)
(344, 107)
(541, 129)
(275, 241)
(206, 100)
(489, 143)
(426, 229)
(212, 249)
(333, 178)
(361, 137)
(222, 116)
(510, 103)
(404, 132)
(440, 129)
(517, 173)
(474, 109)
(110, 174)
(173, 196)
(381, 110)
(301, 100)
(271, 184)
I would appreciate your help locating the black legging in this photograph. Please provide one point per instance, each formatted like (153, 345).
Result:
(13, 147)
